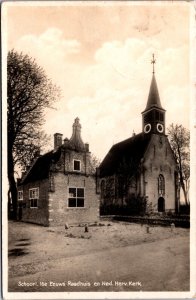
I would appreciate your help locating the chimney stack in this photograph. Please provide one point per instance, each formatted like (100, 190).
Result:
(87, 147)
(57, 140)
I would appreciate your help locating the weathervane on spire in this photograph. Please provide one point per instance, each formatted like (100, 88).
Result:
(153, 61)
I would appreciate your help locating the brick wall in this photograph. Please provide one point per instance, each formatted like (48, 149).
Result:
(60, 213)
(159, 160)
(40, 214)
(83, 157)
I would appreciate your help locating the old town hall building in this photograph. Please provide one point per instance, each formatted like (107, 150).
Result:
(142, 166)
(60, 186)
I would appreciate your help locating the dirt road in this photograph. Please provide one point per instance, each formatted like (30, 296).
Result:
(157, 266)
(119, 257)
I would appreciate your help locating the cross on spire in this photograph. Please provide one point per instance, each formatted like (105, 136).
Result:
(153, 61)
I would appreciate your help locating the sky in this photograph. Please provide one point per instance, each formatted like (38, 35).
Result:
(99, 54)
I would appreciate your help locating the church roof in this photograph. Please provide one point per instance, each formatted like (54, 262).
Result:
(132, 149)
(153, 96)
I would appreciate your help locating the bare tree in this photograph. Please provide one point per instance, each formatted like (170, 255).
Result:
(179, 138)
(95, 162)
(29, 92)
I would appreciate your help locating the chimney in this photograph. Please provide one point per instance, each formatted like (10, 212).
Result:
(87, 147)
(57, 140)
(66, 142)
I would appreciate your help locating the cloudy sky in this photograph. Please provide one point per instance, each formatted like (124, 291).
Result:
(99, 54)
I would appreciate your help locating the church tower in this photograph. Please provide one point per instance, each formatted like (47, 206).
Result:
(153, 116)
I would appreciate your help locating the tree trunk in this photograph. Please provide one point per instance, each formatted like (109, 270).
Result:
(184, 192)
(13, 192)
(12, 185)
(181, 178)
(183, 188)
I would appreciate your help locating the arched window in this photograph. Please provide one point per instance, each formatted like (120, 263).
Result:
(161, 185)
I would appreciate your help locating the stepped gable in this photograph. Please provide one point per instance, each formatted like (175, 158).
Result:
(75, 141)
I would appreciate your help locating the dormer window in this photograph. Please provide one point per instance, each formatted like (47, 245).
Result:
(77, 165)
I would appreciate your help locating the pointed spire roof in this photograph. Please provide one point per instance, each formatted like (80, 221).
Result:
(153, 96)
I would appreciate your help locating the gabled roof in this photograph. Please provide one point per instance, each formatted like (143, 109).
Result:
(40, 168)
(153, 96)
(132, 149)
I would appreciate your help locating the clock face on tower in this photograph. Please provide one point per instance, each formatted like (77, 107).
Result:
(160, 127)
(147, 128)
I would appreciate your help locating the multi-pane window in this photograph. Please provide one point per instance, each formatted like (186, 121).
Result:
(33, 197)
(77, 165)
(76, 197)
(161, 185)
(20, 195)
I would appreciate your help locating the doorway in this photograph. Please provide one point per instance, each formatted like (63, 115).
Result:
(161, 204)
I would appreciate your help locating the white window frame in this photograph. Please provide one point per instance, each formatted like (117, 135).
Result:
(33, 195)
(80, 165)
(74, 207)
(20, 195)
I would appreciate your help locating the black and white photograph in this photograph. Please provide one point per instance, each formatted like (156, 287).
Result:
(98, 199)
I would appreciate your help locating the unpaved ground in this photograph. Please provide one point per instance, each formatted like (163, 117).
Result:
(109, 254)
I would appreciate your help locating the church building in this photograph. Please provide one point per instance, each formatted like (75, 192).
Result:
(142, 166)
(60, 186)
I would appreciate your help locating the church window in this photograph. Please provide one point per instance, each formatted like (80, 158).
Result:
(161, 117)
(76, 197)
(161, 185)
(148, 117)
(33, 197)
(77, 165)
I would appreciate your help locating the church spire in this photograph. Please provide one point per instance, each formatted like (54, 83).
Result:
(154, 115)
(153, 96)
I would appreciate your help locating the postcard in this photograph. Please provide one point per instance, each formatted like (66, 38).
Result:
(98, 149)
